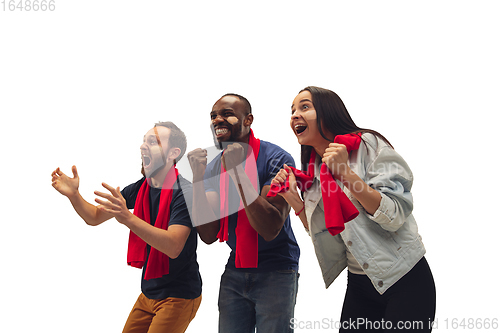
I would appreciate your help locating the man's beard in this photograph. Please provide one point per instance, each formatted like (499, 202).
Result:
(221, 145)
(143, 172)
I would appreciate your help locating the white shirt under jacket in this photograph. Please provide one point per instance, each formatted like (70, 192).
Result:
(386, 245)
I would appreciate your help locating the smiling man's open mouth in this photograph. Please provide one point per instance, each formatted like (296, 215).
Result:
(221, 131)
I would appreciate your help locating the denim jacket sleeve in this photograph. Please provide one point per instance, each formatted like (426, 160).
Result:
(383, 169)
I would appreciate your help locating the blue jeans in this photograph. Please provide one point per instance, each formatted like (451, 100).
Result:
(265, 301)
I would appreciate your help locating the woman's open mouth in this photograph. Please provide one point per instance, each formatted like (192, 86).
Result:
(299, 128)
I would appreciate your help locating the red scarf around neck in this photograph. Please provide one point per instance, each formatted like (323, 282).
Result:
(247, 239)
(158, 262)
(337, 206)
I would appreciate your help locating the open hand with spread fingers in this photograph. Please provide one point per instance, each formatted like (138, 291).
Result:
(64, 184)
(115, 204)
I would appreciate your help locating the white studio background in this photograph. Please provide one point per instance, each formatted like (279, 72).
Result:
(83, 83)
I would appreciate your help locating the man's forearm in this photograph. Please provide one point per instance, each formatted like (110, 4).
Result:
(263, 216)
(171, 241)
(204, 218)
(88, 212)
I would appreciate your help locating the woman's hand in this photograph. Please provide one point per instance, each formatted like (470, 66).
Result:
(335, 158)
(292, 195)
(280, 179)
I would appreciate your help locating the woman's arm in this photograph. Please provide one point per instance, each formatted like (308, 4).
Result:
(291, 196)
(335, 157)
(384, 191)
(366, 196)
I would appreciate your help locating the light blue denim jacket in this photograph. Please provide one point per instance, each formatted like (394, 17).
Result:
(387, 244)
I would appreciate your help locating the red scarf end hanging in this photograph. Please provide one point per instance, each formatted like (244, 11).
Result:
(247, 241)
(158, 262)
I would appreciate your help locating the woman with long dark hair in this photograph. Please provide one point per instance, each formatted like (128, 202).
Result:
(356, 205)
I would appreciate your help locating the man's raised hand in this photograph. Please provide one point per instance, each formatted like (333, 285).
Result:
(65, 185)
(233, 156)
(198, 162)
(115, 204)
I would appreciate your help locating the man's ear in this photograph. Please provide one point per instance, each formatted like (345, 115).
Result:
(173, 153)
(248, 120)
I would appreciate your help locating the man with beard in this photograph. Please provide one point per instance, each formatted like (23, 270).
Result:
(259, 285)
(162, 240)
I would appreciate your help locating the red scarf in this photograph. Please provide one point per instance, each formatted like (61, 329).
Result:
(158, 262)
(337, 206)
(247, 239)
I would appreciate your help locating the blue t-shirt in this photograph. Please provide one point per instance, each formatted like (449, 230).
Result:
(282, 253)
(183, 280)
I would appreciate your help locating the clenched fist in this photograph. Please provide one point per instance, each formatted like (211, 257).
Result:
(198, 162)
(335, 158)
(233, 156)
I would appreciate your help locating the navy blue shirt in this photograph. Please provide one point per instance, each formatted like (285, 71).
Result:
(183, 280)
(282, 253)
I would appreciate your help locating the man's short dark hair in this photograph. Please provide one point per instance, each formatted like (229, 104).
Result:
(177, 138)
(248, 107)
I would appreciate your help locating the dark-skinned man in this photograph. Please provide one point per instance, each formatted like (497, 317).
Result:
(259, 285)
